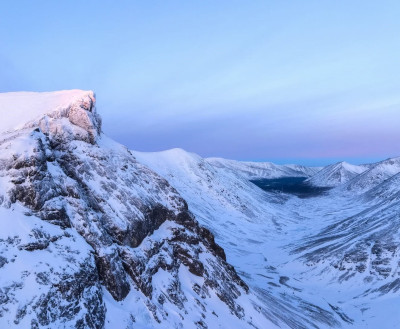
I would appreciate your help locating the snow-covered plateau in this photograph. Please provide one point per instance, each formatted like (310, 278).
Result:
(93, 235)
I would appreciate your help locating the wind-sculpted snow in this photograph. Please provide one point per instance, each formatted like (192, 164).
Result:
(94, 239)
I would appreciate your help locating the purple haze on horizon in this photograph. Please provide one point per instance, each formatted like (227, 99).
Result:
(310, 82)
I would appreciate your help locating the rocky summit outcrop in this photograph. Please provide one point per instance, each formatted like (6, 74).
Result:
(88, 233)
(78, 121)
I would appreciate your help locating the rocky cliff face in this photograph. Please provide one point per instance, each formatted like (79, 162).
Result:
(89, 233)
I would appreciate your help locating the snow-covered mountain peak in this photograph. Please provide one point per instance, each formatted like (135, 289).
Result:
(374, 175)
(64, 115)
(336, 174)
(347, 166)
(189, 161)
(175, 154)
(19, 108)
(100, 240)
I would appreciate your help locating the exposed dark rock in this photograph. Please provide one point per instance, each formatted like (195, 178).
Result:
(82, 288)
(3, 261)
(112, 275)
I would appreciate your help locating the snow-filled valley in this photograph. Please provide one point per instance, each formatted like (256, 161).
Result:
(325, 261)
(93, 235)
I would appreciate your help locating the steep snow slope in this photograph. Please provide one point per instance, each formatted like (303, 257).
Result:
(254, 170)
(336, 174)
(90, 238)
(387, 191)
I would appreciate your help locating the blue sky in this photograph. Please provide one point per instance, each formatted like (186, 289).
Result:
(301, 81)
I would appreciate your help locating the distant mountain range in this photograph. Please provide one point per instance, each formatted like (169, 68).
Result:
(254, 170)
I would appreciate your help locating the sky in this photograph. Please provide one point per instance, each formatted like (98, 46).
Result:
(308, 82)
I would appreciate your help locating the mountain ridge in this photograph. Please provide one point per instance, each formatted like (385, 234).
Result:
(257, 170)
(143, 250)
(336, 174)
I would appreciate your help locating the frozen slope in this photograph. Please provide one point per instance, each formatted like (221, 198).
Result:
(91, 238)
